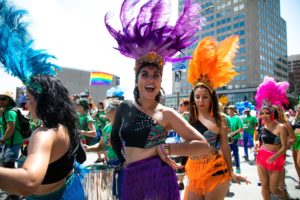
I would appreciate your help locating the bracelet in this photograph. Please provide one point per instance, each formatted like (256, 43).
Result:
(167, 149)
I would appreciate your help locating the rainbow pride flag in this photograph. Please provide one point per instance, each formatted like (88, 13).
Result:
(100, 78)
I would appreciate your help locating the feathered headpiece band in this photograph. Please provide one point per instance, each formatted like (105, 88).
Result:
(211, 64)
(271, 93)
(16, 53)
(148, 38)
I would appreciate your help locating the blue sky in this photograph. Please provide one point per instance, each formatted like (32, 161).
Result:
(73, 30)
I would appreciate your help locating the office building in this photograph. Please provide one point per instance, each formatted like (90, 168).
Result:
(263, 45)
(294, 74)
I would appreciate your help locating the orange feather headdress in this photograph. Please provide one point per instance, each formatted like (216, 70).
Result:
(212, 63)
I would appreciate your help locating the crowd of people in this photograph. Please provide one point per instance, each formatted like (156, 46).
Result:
(130, 135)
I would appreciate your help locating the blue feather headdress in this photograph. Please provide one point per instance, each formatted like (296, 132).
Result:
(17, 56)
(148, 37)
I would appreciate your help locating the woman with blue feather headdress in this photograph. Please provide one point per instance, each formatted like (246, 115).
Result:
(50, 169)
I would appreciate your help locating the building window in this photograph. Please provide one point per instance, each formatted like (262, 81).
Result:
(243, 77)
(242, 32)
(242, 50)
(242, 41)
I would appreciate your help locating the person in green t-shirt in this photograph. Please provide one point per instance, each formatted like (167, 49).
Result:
(10, 129)
(236, 126)
(101, 120)
(249, 125)
(105, 146)
(86, 123)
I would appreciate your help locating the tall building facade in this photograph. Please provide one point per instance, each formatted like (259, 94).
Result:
(294, 74)
(263, 45)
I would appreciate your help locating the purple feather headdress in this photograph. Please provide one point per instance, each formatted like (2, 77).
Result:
(148, 37)
(271, 93)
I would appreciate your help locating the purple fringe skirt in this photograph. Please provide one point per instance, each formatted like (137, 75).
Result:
(149, 179)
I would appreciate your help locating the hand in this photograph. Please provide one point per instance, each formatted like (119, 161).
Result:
(256, 146)
(271, 159)
(86, 147)
(291, 141)
(238, 178)
(167, 159)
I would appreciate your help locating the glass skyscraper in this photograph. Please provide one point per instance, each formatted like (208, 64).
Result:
(263, 45)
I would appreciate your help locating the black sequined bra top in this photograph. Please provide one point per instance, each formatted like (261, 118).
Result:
(140, 130)
(267, 137)
(211, 138)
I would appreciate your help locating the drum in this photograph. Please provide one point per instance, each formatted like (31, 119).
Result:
(98, 182)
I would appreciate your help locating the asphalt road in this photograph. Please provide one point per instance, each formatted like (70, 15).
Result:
(242, 191)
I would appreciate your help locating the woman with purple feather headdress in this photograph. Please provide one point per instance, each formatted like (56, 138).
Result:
(141, 126)
(272, 136)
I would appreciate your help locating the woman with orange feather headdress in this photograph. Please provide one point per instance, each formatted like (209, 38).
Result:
(210, 68)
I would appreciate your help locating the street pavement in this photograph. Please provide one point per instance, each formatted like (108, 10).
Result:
(242, 191)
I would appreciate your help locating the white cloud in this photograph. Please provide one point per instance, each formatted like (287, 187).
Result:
(74, 31)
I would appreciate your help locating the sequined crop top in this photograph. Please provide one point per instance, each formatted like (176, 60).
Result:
(211, 138)
(133, 128)
(267, 137)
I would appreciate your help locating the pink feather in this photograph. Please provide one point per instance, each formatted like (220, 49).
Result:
(269, 92)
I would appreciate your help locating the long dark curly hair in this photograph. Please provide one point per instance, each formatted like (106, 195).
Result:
(54, 106)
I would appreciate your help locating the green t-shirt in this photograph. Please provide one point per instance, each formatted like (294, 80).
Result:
(249, 124)
(12, 116)
(101, 121)
(227, 120)
(235, 124)
(84, 120)
(106, 131)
